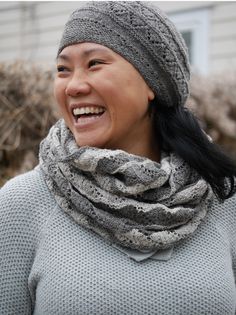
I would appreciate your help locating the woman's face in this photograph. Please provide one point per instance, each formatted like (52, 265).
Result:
(103, 98)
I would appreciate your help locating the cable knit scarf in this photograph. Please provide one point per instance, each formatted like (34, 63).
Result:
(129, 200)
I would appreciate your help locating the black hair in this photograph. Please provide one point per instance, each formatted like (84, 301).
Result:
(179, 131)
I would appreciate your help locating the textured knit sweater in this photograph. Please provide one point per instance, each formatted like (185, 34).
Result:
(51, 265)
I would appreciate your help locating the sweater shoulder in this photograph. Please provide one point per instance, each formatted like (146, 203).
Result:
(225, 211)
(25, 207)
(26, 196)
(224, 216)
(30, 182)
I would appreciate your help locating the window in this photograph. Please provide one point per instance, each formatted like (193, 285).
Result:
(194, 29)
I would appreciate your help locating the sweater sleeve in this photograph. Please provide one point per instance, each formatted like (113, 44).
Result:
(232, 203)
(20, 221)
(225, 214)
(229, 211)
(229, 221)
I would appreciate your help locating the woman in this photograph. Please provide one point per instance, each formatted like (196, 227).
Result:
(123, 213)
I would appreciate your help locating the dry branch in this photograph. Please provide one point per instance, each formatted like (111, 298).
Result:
(27, 110)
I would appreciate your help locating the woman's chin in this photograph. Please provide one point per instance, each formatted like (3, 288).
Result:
(91, 141)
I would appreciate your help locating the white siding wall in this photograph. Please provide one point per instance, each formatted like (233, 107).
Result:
(9, 30)
(222, 29)
(223, 36)
(31, 30)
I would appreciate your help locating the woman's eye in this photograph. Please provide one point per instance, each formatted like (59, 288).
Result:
(61, 69)
(95, 62)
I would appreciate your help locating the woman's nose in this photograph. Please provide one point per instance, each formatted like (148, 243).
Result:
(77, 85)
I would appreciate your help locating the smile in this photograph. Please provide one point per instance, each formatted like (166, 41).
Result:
(87, 111)
(86, 116)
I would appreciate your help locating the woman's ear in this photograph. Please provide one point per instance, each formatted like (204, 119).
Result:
(151, 94)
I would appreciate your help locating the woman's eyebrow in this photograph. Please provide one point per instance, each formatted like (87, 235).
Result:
(84, 53)
(89, 51)
(63, 57)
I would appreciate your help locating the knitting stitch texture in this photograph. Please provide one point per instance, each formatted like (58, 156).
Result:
(143, 35)
(128, 199)
(51, 265)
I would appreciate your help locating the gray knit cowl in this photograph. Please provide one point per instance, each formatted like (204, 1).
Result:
(129, 200)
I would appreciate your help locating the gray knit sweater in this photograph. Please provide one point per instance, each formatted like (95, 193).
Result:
(51, 265)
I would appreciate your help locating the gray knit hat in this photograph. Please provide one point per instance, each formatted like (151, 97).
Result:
(143, 35)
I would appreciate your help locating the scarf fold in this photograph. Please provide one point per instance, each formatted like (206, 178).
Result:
(129, 200)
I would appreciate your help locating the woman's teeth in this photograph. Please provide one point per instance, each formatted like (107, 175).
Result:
(88, 110)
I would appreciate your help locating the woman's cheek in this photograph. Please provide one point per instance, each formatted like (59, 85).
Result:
(59, 91)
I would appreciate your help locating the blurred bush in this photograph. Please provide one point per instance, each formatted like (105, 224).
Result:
(213, 100)
(28, 109)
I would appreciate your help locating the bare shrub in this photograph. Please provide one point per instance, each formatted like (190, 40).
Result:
(28, 109)
(213, 99)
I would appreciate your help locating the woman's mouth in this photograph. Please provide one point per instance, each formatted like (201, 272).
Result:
(87, 114)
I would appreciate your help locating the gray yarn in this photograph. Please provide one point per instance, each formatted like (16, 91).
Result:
(143, 35)
(129, 200)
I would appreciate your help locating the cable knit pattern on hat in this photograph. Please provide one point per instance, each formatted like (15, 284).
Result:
(143, 35)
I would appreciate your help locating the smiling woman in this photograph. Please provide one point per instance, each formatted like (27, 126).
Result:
(104, 100)
(124, 213)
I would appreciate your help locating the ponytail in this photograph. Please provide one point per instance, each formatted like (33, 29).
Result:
(178, 131)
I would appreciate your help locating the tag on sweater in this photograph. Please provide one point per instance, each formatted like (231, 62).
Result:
(137, 255)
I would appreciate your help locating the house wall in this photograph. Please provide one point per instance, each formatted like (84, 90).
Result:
(31, 30)
(222, 29)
